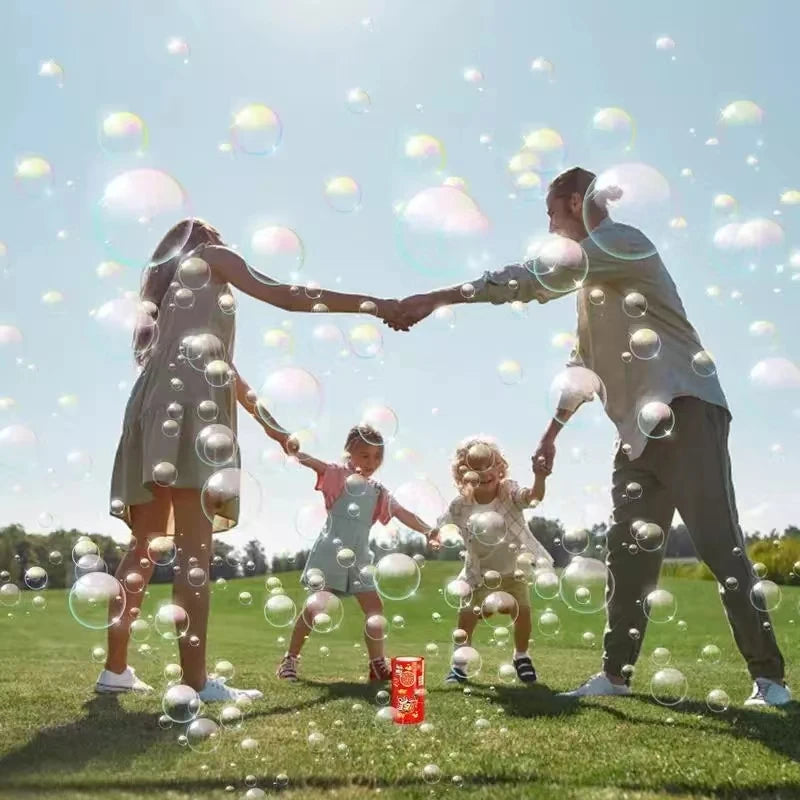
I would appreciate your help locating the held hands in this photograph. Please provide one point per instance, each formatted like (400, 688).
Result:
(542, 460)
(402, 315)
(433, 539)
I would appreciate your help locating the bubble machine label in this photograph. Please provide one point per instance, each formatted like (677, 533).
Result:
(408, 690)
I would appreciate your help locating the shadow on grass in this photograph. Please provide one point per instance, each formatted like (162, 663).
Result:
(536, 700)
(498, 784)
(109, 735)
(105, 732)
(326, 692)
(774, 728)
(518, 701)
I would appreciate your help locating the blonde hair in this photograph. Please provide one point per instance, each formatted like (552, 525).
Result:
(477, 453)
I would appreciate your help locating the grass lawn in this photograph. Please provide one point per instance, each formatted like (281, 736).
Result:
(57, 739)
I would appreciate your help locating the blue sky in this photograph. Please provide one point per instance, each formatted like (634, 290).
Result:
(441, 380)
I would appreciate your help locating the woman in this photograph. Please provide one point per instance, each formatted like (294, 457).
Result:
(180, 429)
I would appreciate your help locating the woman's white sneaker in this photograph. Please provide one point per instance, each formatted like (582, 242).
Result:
(598, 686)
(216, 691)
(767, 692)
(121, 682)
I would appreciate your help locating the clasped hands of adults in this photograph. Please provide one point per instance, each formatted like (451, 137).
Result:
(402, 315)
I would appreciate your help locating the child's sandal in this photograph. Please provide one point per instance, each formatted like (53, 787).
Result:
(379, 669)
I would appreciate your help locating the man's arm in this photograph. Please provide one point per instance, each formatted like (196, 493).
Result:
(514, 282)
(542, 461)
(542, 280)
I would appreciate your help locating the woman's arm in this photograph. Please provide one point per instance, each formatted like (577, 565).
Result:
(248, 399)
(230, 267)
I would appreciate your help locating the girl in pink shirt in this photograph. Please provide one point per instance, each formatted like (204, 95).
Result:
(340, 562)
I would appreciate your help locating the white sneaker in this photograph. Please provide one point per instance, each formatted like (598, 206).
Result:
(767, 692)
(216, 691)
(120, 682)
(597, 686)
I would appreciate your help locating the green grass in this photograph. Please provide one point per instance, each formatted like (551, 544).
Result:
(58, 740)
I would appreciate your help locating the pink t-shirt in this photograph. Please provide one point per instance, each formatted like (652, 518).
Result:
(331, 484)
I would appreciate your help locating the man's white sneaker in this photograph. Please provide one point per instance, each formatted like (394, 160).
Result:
(767, 692)
(216, 691)
(597, 686)
(120, 682)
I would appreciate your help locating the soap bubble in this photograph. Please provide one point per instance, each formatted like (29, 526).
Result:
(458, 594)
(576, 541)
(323, 611)
(343, 194)
(10, 594)
(660, 606)
(765, 595)
(547, 584)
(35, 578)
(440, 229)
(549, 624)
(123, 132)
(256, 130)
(635, 195)
(584, 585)
(558, 263)
(203, 735)
(656, 420)
(711, 654)
(669, 686)
(467, 659)
(397, 576)
(358, 101)
(499, 603)
(171, 622)
(181, 703)
(718, 701)
(136, 208)
(96, 600)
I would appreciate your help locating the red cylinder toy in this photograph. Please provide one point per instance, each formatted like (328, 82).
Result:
(408, 690)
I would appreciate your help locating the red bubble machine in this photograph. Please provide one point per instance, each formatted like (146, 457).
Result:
(408, 689)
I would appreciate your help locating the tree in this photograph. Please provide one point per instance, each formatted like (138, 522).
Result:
(220, 566)
(254, 552)
(549, 533)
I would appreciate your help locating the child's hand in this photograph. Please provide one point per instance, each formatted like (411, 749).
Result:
(292, 445)
(542, 460)
(433, 539)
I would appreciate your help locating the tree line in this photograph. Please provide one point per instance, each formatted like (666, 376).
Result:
(20, 550)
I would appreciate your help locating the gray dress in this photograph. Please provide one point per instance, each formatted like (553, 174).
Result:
(350, 519)
(166, 434)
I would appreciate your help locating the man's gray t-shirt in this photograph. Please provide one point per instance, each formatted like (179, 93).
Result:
(606, 327)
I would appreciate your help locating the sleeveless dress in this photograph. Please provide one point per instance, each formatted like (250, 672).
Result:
(179, 427)
(353, 507)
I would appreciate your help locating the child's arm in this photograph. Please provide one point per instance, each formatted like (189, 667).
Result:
(536, 492)
(416, 524)
(249, 401)
(530, 497)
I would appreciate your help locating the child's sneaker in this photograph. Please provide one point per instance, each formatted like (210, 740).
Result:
(525, 671)
(456, 675)
(379, 669)
(287, 669)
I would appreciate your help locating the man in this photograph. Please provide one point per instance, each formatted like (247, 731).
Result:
(671, 415)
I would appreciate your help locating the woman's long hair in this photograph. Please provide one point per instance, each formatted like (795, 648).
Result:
(159, 274)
